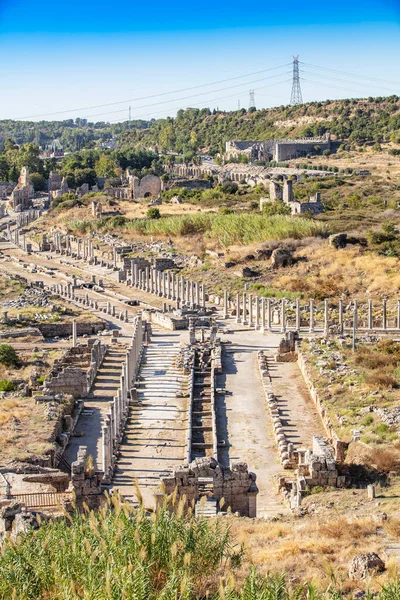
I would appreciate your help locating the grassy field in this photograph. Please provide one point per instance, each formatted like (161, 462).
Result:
(224, 230)
(24, 431)
(120, 553)
(349, 383)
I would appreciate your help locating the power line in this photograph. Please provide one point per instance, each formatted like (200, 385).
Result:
(113, 112)
(176, 108)
(330, 85)
(367, 84)
(60, 112)
(350, 74)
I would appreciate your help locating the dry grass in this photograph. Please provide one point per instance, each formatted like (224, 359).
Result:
(23, 430)
(316, 548)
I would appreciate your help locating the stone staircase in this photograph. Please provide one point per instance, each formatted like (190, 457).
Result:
(96, 406)
(155, 434)
(206, 508)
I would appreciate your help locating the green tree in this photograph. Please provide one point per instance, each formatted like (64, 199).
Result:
(8, 356)
(38, 182)
(4, 168)
(105, 166)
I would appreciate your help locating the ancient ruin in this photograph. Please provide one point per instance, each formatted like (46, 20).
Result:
(23, 193)
(277, 150)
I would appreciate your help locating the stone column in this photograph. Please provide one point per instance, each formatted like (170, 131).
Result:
(197, 294)
(251, 321)
(135, 275)
(192, 301)
(114, 256)
(225, 312)
(269, 315)
(384, 314)
(105, 464)
(181, 289)
(244, 319)
(356, 314)
(369, 314)
(173, 284)
(237, 308)
(283, 315)
(311, 315)
(257, 313)
(326, 317)
(298, 314)
(160, 276)
(398, 314)
(146, 280)
(263, 314)
(203, 296)
(168, 285)
(341, 319)
(188, 291)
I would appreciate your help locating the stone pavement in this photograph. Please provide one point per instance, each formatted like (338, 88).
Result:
(155, 434)
(96, 407)
(244, 417)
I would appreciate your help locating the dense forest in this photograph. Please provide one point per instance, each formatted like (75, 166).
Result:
(78, 167)
(71, 134)
(358, 121)
(372, 120)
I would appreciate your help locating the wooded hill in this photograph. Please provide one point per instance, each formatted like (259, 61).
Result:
(371, 120)
(357, 121)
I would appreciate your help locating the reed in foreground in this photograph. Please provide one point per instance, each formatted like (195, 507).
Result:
(121, 553)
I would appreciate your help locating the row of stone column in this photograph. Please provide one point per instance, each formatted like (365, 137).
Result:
(27, 216)
(71, 246)
(265, 314)
(114, 422)
(67, 291)
(167, 284)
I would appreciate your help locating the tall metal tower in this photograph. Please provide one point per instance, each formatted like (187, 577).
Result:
(252, 103)
(296, 96)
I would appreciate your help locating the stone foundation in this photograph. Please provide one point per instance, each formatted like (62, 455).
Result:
(236, 485)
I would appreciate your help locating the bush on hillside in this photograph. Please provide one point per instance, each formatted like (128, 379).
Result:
(8, 356)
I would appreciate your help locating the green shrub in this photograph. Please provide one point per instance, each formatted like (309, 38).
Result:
(8, 356)
(153, 213)
(6, 385)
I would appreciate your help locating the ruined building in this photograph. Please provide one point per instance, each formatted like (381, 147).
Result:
(136, 188)
(285, 193)
(278, 150)
(23, 192)
(57, 186)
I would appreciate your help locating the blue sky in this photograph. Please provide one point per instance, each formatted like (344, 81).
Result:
(64, 57)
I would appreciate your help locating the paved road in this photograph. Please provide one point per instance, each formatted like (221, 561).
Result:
(242, 418)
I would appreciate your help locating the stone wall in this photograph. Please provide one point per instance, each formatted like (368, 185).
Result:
(339, 445)
(166, 320)
(148, 186)
(236, 485)
(85, 483)
(74, 373)
(52, 330)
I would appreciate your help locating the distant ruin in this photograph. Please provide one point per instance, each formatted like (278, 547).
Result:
(278, 150)
(285, 193)
(21, 196)
(57, 185)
